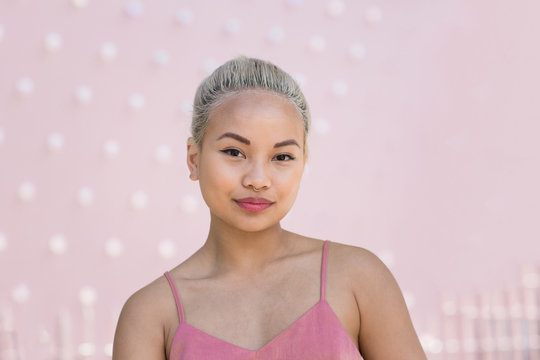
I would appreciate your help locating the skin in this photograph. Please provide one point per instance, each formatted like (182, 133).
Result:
(252, 279)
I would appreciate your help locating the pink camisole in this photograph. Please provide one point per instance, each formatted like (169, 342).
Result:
(317, 334)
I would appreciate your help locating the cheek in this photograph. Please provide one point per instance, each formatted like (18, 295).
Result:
(214, 174)
(289, 180)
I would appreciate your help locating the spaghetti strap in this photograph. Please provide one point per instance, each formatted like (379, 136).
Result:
(176, 297)
(323, 270)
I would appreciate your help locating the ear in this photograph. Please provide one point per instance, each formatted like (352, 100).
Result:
(193, 153)
(306, 152)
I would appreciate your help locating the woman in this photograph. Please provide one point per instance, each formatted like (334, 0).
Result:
(255, 290)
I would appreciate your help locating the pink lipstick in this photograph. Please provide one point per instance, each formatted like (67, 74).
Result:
(254, 204)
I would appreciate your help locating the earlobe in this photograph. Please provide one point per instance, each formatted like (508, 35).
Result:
(193, 159)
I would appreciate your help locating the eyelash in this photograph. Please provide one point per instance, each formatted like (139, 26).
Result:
(227, 151)
(290, 157)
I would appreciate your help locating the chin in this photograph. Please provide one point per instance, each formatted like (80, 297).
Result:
(255, 226)
(249, 225)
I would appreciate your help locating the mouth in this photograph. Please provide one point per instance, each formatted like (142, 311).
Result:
(254, 204)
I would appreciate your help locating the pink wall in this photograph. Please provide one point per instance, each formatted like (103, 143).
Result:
(425, 150)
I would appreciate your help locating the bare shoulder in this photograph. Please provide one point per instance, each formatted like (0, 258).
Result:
(383, 312)
(357, 262)
(150, 300)
(366, 276)
(363, 273)
(140, 332)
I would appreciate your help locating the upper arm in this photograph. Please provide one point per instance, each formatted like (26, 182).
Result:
(386, 329)
(139, 334)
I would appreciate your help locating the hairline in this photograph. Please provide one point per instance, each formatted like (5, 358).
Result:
(230, 94)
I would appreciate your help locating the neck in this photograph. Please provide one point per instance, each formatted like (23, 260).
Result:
(234, 250)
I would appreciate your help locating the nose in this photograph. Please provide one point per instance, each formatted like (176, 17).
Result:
(256, 176)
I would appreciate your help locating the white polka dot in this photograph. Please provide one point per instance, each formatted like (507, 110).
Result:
(209, 65)
(53, 42)
(27, 191)
(87, 295)
(321, 126)
(516, 310)
(190, 204)
(530, 280)
(136, 101)
(186, 108)
(357, 51)
(275, 34)
(410, 299)
(2, 33)
(139, 200)
(317, 43)
(134, 8)
(373, 15)
(499, 312)
(84, 94)
(306, 169)
(184, 17)
(111, 149)
(340, 88)
(108, 349)
(532, 312)
(21, 294)
(300, 79)
(163, 154)
(108, 51)
(85, 196)
(161, 57)
(6, 314)
(25, 86)
(86, 349)
(58, 244)
(470, 311)
(55, 142)
(2, 135)
(80, 3)
(335, 8)
(167, 248)
(387, 257)
(449, 307)
(294, 2)
(430, 343)
(451, 346)
(114, 247)
(3, 242)
(436, 347)
(44, 337)
(232, 26)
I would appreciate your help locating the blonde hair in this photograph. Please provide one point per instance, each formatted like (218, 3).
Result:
(241, 74)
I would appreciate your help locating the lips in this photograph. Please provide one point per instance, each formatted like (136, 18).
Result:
(254, 204)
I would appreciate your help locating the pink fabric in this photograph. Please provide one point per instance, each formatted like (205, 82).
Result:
(317, 334)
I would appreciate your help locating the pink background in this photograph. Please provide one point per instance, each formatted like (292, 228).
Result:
(424, 150)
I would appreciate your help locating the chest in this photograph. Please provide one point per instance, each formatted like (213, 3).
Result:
(250, 318)
(317, 334)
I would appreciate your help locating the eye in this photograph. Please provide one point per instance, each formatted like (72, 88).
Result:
(284, 157)
(233, 152)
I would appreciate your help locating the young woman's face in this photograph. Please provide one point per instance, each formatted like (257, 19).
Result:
(251, 161)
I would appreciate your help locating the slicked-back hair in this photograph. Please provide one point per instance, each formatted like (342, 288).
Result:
(241, 74)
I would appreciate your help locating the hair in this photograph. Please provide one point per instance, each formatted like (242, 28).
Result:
(241, 74)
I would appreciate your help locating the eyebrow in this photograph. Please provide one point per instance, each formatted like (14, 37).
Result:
(286, 142)
(236, 137)
(247, 142)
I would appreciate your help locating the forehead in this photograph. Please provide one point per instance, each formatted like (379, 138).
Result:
(256, 112)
